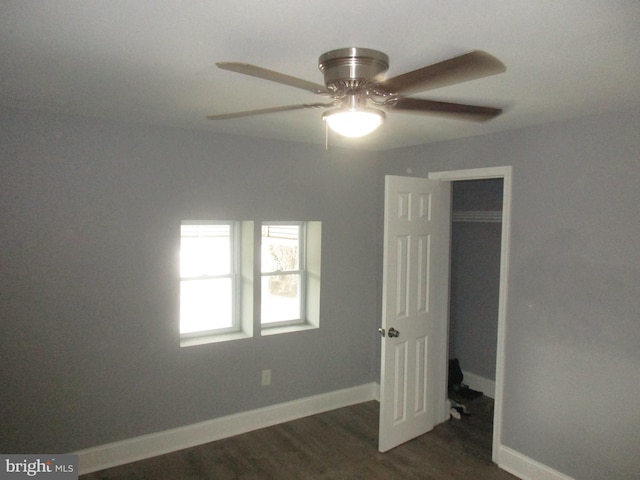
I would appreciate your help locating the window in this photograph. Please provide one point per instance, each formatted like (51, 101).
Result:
(290, 271)
(217, 270)
(283, 274)
(208, 278)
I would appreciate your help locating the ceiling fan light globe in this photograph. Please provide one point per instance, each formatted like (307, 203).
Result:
(354, 123)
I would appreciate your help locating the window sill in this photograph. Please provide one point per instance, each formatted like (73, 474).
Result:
(265, 331)
(223, 337)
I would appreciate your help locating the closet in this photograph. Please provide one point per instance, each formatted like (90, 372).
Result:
(475, 276)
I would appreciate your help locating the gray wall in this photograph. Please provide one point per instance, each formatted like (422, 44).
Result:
(89, 233)
(572, 376)
(475, 278)
(88, 289)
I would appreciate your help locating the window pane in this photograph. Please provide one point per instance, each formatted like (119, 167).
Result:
(205, 250)
(280, 248)
(280, 298)
(205, 305)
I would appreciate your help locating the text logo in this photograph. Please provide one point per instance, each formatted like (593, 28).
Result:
(50, 467)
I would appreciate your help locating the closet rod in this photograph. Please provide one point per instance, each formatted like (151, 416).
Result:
(487, 216)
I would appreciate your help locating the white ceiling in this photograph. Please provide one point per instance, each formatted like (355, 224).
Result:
(152, 61)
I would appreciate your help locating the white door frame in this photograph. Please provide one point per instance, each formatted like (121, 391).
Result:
(504, 172)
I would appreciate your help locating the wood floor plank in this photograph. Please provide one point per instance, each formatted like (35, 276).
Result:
(340, 444)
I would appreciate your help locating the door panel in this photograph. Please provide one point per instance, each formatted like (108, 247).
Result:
(415, 303)
(400, 384)
(421, 376)
(402, 295)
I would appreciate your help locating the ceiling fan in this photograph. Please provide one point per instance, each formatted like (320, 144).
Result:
(358, 94)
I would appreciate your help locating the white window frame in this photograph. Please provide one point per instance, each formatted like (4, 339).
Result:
(310, 247)
(301, 272)
(242, 240)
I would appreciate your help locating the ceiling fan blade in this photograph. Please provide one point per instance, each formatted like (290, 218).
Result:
(454, 110)
(259, 72)
(261, 111)
(472, 65)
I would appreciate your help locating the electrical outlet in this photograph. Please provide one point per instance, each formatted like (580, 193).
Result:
(266, 377)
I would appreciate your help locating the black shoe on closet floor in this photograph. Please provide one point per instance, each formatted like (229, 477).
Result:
(469, 394)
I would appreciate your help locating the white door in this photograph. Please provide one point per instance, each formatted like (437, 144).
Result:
(415, 306)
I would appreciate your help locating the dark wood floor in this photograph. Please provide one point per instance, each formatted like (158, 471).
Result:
(341, 444)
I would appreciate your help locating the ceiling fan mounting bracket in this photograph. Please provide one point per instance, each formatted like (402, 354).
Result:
(349, 69)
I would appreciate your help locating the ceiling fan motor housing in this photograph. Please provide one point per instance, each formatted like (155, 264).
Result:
(349, 68)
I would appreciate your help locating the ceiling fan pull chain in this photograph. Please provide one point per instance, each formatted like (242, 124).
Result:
(326, 135)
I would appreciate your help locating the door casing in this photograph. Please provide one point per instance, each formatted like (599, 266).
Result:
(504, 172)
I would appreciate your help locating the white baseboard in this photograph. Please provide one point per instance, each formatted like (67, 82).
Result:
(525, 468)
(146, 446)
(481, 384)
(376, 391)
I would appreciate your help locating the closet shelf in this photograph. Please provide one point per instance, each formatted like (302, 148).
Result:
(487, 216)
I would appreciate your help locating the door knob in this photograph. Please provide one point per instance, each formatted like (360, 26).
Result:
(393, 332)
(381, 330)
